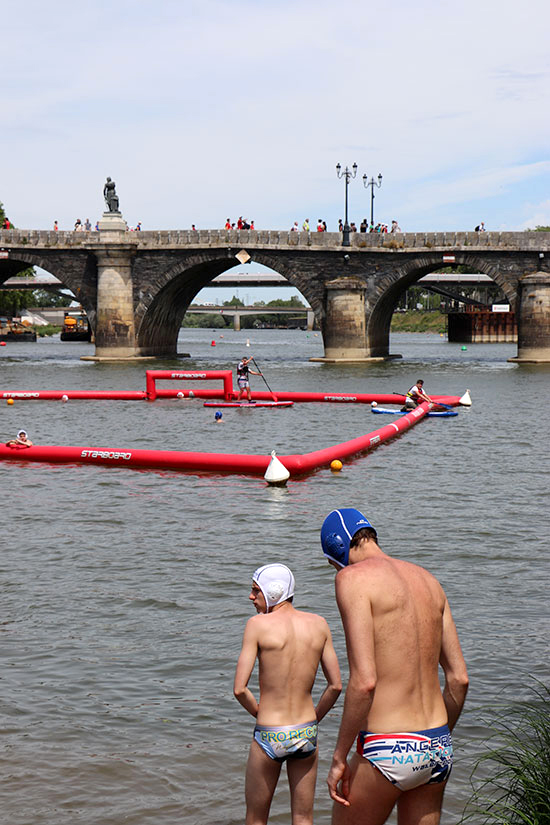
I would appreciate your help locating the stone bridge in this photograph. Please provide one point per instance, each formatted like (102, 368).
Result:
(137, 286)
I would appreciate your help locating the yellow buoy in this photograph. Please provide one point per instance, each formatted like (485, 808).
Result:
(9, 401)
(336, 465)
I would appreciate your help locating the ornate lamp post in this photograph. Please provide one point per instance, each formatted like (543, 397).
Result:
(347, 174)
(372, 183)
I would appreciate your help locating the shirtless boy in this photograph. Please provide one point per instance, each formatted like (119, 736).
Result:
(22, 440)
(289, 645)
(398, 627)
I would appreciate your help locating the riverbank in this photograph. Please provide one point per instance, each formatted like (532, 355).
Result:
(419, 321)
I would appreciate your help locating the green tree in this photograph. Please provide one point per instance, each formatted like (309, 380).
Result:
(45, 298)
(290, 303)
(234, 302)
(12, 301)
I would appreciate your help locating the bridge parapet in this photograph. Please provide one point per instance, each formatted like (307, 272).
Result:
(276, 239)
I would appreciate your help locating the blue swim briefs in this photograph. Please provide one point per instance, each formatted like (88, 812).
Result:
(287, 742)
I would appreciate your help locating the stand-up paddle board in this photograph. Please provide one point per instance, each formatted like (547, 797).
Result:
(384, 411)
(248, 403)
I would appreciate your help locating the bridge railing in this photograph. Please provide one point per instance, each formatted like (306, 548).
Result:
(279, 238)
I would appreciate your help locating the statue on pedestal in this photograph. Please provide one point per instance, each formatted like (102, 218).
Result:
(110, 195)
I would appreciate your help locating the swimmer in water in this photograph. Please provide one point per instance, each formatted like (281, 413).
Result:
(218, 417)
(20, 441)
(289, 645)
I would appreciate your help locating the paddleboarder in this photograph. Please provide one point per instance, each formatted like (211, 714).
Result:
(415, 396)
(289, 645)
(242, 378)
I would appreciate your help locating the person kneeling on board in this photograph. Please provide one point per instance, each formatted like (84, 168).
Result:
(20, 442)
(289, 645)
(242, 378)
(415, 396)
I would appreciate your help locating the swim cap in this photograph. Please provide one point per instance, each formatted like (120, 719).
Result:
(218, 415)
(21, 432)
(337, 531)
(276, 583)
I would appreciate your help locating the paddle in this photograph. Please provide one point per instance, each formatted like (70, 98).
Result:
(263, 376)
(437, 403)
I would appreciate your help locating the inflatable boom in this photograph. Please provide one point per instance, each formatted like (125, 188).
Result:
(296, 464)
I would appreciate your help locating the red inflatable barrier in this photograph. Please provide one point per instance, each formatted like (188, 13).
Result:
(296, 464)
(152, 376)
(87, 395)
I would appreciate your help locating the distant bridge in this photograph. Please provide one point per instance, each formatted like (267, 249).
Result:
(136, 286)
(235, 313)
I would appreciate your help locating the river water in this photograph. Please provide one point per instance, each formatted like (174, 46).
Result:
(124, 593)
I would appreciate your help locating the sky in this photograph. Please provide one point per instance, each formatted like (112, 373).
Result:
(212, 109)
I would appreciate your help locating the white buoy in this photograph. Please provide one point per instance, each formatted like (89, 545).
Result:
(276, 473)
(180, 395)
(248, 342)
(466, 399)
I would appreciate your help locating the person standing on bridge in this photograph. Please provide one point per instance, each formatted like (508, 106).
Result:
(305, 225)
(242, 378)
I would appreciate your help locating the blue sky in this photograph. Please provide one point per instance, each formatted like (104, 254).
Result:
(204, 110)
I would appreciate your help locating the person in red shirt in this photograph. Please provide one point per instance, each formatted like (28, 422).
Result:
(228, 224)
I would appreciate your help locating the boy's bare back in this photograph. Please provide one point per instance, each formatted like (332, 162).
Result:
(290, 646)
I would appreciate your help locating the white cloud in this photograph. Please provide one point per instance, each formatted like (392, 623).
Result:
(202, 109)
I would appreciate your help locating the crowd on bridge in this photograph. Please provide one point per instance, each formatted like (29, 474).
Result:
(241, 223)
(364, 226)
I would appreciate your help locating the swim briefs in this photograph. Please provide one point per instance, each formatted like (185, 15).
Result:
(287, 742)
(409, 760)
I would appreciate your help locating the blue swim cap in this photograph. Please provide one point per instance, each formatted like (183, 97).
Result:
(337, 531)
(218, 415)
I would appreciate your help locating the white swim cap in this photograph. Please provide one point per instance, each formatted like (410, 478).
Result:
(21, 432)
(276, 583)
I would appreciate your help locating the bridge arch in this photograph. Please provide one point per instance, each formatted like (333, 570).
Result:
(80, 278)
(384, 295)
(162, 305)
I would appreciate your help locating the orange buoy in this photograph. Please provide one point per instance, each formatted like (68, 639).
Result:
(9, 401)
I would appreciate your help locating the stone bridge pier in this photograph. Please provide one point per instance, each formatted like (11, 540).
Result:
(115, 334)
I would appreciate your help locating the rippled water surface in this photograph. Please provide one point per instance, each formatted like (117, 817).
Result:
(124, 593)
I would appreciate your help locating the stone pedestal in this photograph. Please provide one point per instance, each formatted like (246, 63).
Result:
(533, 319)
(112, 222)
(115, 329)
(344, 328)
